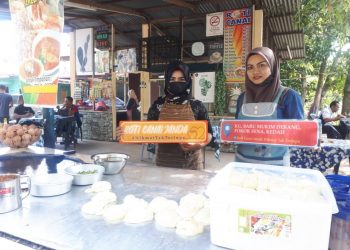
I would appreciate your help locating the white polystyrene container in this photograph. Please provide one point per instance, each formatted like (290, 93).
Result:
(246, 219)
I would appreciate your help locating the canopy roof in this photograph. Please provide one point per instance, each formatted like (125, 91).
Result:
(280, 32)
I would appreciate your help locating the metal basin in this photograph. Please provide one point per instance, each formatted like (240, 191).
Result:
(112, 162)
(85, 174)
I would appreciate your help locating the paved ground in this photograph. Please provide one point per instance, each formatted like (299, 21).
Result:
(90, 147)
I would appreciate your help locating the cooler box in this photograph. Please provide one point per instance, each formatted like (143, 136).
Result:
(264, 207)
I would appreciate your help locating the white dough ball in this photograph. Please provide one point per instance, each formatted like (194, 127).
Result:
(131, 201)
(160, 203)
(188, 228)
(99, 186)
(138, 215)
(167, 218)
(194, 200)
(93, 208)
(104, 197)
(251, 181)
(187, 211)
(236, 178)
(114, 213)
(203, 216)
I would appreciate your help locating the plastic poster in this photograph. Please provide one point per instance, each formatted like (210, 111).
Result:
(276, 132)
(264, 223)
(38, 25)
(164, 131)
(204, 86)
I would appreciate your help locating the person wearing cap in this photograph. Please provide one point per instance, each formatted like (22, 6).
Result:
(178, 104)
(266, 99)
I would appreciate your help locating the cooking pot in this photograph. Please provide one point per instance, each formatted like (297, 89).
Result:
(11, 195)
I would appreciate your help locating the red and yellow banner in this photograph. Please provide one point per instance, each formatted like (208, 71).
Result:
(237, 43)
(164, 131)
(39, 24)
(279, 132)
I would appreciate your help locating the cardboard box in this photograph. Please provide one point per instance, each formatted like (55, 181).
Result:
(246, 219)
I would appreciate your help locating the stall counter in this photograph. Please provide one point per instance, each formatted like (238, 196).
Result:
(57, 222)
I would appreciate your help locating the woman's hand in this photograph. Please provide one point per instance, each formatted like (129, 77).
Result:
(119, 133)
(195, 146)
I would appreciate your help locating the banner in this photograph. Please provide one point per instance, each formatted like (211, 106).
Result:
(204, 86)
(277, 132)
(164, 131)
(237, 43)
(38, 26)
(84, 51)
(214, 25)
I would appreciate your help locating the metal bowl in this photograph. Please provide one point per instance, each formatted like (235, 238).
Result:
(50, 184)
(112, 162)
(81, 175)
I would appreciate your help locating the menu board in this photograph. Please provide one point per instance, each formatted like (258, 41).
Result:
(237, 43)
(38, 27)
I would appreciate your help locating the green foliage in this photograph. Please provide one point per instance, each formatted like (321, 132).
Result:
(220, 93)
(326, 27)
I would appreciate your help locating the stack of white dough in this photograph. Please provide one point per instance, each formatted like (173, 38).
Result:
(189, 217)
(287, 187)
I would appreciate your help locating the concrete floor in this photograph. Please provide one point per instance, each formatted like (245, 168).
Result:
(86, 148)
(90, 147)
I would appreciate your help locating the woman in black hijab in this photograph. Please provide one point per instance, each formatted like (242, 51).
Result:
(178, 104)
(266, 99)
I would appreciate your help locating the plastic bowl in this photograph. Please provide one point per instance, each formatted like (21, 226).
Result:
(113, 163)
(85, 174)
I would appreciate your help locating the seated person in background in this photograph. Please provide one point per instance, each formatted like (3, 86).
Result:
(68, 108)
(70, 111)
(329, 118)
(22, 111)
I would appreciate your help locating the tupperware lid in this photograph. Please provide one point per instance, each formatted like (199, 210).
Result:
(341, 178)
(344, 210)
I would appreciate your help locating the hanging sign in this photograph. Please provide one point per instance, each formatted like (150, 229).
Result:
(102, 37)
(214, 25)
(237, 43)
(276, 132)
(204, 86)
(164, 131)
(39, 25)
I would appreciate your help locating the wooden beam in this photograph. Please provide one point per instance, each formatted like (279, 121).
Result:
(176, 19)
(109, 8)
(182, 4)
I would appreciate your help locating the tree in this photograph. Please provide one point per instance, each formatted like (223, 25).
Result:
(346, 98)
(326, 27)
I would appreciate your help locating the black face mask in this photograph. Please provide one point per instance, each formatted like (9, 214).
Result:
(177, 88)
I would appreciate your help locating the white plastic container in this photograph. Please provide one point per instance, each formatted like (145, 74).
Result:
(243, 218)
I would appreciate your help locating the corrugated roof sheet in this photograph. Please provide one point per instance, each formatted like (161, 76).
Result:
(279, 7)
(278, 13)
(282, 24)
(206, 6)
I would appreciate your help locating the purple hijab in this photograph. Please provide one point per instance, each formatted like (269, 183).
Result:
(267, 90)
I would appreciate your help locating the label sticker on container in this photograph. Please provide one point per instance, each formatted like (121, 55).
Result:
(5, 191)
(164, 131)
(264, 223)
